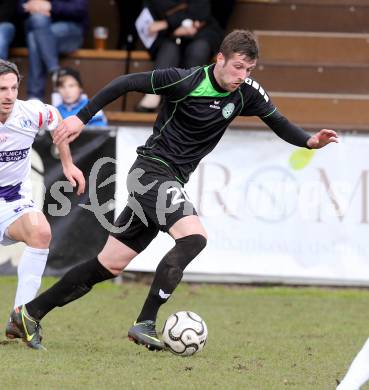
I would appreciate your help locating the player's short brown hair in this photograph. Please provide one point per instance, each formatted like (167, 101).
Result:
(242, 42)
(9, 67)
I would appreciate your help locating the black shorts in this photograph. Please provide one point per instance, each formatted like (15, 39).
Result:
(156, 201)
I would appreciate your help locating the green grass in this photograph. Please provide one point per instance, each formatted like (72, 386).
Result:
(259, 339)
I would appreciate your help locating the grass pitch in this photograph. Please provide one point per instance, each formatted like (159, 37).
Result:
(265, 338)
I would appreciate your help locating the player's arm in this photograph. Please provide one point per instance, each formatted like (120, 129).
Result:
(173, 83)
(260, 104)
(72, 126)
(295, 135)
(71, 171)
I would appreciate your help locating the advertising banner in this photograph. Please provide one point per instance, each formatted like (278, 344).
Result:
(273, 212)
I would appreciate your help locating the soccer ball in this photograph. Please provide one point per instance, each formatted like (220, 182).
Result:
(185, 333)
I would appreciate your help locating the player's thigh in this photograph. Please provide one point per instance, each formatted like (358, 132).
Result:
(179, 214)
(131, 237)
(30, 226)
(116, 255)
(186, 226)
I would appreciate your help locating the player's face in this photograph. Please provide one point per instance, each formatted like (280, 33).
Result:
(231, 73)
(70, 91)
(8, 94)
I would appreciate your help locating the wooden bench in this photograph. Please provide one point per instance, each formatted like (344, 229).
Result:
(294, 68)
(301, 15)
(294, 61)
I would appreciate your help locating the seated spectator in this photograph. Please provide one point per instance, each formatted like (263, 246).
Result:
(222, 10)
(70, 90)
(52, 27)
(187, 36)
(7, 28)
(128, 12)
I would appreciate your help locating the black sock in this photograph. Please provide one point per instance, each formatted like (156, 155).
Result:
(169, 273)
(74, 284)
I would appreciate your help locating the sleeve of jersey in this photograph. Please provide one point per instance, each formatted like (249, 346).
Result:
(139, 82)
(260, 105)
(48, 118)
(257, 101)
(173, 83)
(286, 130)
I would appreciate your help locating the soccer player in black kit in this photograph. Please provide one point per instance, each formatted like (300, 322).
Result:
(198, 106)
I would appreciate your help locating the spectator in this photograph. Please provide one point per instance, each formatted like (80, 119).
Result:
(222, 10)
(69, 86)
(188, 36)
(52, 27)
(128, 12)
(7, 28)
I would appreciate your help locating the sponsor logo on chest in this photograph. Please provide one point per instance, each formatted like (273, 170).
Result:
(215, 105)
(3, 138)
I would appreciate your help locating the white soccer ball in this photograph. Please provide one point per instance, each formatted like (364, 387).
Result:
(185, 333)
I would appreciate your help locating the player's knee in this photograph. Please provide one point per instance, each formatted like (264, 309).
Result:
(40, 237)
(117, 263)
(114, 269)
(185, 250)
(201, 241)
(192, 244)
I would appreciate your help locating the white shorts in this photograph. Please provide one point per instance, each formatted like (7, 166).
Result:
(10, 212)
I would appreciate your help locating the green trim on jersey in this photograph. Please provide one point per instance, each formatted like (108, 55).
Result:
(152, 82)
(243, 103)
(162, 128)
(266, 116)
(205, 88)
(162, 162)
(170, 85)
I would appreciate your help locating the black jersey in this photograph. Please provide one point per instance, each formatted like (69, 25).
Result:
(194, 114)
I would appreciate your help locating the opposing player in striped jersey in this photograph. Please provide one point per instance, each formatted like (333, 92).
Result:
(20, 220)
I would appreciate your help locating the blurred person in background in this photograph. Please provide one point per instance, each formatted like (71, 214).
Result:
(222, 10)
(7, 28)
(187, 36)
(52, 27)
(70, 92)
(128, 12)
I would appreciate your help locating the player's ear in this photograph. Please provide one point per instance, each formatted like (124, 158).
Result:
(220, 59)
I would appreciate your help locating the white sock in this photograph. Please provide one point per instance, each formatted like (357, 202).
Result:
(30, 270)
(358, 372)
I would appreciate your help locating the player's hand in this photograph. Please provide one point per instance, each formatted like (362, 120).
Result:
(157, 26)
(182, 31)
(68, 130)
(322, 138)
(75, 177)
